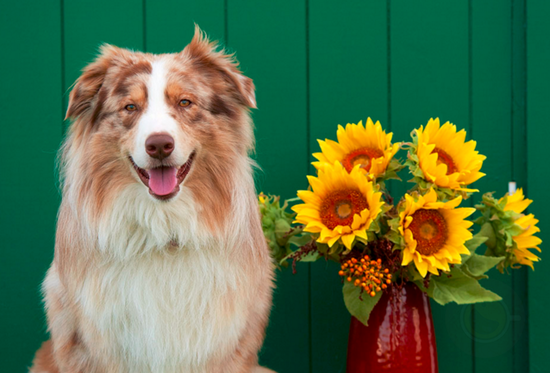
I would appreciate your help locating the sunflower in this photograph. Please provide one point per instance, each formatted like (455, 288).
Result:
(525, 240)
(342, 205)
(434, 232)
(369, 147)
(445, 158)
(261, 198)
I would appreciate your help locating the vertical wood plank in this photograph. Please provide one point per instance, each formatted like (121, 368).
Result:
(430, 78)
(348, 83)
(90, 23)
(30, 131)
(269, 39)
(169, 24)
(492, 128)
(429, 63)
(520, 326)
(538, 133)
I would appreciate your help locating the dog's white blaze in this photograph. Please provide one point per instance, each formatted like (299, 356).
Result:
(157, 119)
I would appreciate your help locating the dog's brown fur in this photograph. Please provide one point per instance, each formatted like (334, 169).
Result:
(97, 171)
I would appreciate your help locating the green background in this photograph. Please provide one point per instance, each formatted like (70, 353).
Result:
(483, 65)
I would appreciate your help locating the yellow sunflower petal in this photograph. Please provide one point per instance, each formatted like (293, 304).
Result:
(434, 232)
(368, 146)
(318, 187)
(445, 158)
(340, 206)
(516, 202)
(421, 265)
(407, 257)
(361, 233)
(348, 240)
(433, 270)
(333, 240)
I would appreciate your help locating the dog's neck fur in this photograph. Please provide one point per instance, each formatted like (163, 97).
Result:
(166, 290)
(134, 223)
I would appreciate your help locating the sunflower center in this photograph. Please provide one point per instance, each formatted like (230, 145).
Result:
(446, 159)
(339, 207)
(429, 229)
(361, 157)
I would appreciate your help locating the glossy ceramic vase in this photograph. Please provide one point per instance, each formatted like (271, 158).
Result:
(400, 337)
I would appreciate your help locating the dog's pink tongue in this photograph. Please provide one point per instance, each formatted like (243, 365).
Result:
(162, 180)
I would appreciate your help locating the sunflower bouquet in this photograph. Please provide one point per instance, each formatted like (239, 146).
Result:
(349, 216)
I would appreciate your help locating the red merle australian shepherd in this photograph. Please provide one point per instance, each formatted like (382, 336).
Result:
(160, 262)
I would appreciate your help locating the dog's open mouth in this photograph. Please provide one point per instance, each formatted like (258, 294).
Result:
(164, 182)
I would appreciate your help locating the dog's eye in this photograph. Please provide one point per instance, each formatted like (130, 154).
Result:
(184, 103)
(131, 107)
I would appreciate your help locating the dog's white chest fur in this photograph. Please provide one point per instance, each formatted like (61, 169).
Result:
(167, 311)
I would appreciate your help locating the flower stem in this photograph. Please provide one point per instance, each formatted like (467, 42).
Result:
(293, 199)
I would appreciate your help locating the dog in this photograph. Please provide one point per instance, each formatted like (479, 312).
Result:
(160, 261)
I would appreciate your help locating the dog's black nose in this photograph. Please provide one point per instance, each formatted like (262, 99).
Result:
(159, 146)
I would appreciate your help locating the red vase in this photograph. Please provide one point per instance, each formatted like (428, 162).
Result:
(400, 336)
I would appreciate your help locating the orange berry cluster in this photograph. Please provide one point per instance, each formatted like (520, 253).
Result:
(367, 274)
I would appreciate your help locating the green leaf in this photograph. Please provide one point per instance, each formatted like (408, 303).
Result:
(282, 226)
(361, 309)
(479, 221)
(391, 175)
(509, 240)
(477, 265)
(460, 288)
(322, 248)
(515, 230)
(473, 243)
(285, 257)
(374, 227)
(300, 240)
(418, 173)
(394, 224)
(337, 248)
(413, 274)
(311, 257)
(429, 290)
(371, 236)
(394, 237)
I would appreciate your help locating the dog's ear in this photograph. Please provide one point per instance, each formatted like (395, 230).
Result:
(203, 52)
(87, 86)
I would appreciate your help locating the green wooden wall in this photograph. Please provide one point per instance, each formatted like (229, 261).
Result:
(482, 64)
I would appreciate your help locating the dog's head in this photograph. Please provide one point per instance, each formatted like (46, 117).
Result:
(162, 121)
